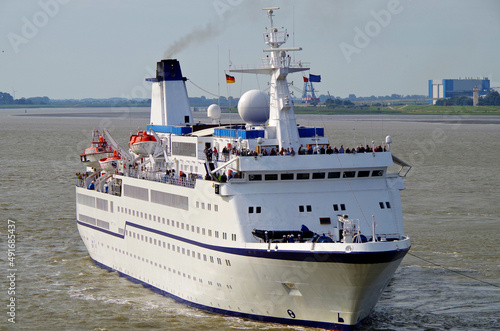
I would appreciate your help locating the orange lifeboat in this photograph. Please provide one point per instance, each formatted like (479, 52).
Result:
(142, 143)
(98, 149)
(110, 163)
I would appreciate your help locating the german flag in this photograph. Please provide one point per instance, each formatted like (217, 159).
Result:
(230, 79)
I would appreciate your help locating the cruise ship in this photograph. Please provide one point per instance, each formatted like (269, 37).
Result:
(264, 219)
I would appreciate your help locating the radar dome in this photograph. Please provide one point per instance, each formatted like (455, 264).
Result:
(213, 112)
(253, 107)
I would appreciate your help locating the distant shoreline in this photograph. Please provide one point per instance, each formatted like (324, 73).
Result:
(320, 109)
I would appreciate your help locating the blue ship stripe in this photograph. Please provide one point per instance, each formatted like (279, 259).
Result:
(288, 255)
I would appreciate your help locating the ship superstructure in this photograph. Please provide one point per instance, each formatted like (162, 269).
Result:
(263, 219)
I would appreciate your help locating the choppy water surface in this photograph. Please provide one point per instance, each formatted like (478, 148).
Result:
(451, 207)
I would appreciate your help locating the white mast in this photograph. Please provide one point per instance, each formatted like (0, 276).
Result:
(278, 64)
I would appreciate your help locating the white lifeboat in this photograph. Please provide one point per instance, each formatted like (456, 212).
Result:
(109, 164)
(142, 143)
(98, 149)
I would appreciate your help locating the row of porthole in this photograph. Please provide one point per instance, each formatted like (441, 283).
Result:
(174, 248)
(209, 206)
(159, 265)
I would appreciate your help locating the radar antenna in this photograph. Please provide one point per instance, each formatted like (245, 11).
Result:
(270, 12)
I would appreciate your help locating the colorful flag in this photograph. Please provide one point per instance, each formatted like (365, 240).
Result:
(305, 79)
(315, 78)
(229, 79)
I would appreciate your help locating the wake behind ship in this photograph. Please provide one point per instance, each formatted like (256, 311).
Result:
(263, 219)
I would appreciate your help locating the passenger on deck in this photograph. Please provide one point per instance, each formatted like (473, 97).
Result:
(223, 178)
(292, 152)
(329, 150)
(216, 154)
(322, 150)
(302, 151)
(309, 150)
(341, 149)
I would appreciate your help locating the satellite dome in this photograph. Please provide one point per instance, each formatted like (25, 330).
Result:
(253, 107)
(213, 112)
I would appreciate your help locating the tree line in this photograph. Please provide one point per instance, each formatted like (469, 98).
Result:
(490, 99)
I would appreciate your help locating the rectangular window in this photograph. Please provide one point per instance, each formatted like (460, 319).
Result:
(335, 174)
(325, 220)
(318, 175)
(301, 209)
(388, 204)
(377, 173)
(303, 175)
(255, 177)
(342, 206)
(309, 208)
(349, 174)
(336, 207)
(216, 207)
(136, 192)
(381, 204)
(364, 173)
(209, 206)
(271, 176)
(258, 210)
(286, 176)
(209, 232)
(250, 210)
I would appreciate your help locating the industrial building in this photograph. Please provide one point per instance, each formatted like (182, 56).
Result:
(449, 88)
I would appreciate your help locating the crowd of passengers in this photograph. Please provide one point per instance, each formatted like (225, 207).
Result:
(213, 154)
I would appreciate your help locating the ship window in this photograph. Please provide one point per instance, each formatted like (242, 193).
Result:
(286, 176)
(216, 207)
(271, 176)
(150, 217)
(377, 173)
(150, 240)
(155, 241)
(258, 210)
(250, 210)
(233, 236)
(209, 206)
(154, 218)
(183, 251)
(349, 174)
(318, 175)
(178, 249)
(203, 231)
(199, 256)
(177, 224)
(325, 220)
(163, 244)
(364, 173)
(303, 175)
(216, 234)
(182, 226)
(197, 229)
(224, 235)
(111, 206)
(255, 177)
(202, 205)
(336, 207)
(212, 259)
(142, 237)
(192, 228)
(301, 209)
(342, 206)
(308, 208)
(388, 204)
(381, 204)
(219, 261)
(197, 204)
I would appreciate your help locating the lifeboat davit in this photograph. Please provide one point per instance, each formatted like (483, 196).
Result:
(98, 149)
(142, 143)
(110, 164)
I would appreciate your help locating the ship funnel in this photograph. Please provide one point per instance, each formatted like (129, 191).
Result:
(169, 99)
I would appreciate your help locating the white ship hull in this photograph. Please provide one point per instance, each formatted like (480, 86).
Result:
(189, 254)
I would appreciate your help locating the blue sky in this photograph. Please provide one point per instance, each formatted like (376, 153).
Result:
(82, 49)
